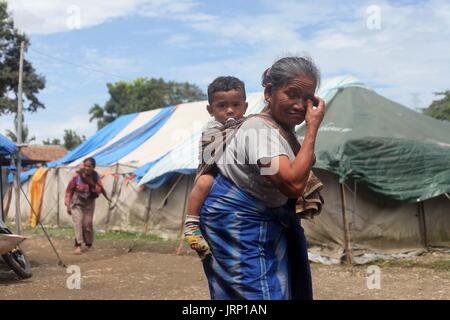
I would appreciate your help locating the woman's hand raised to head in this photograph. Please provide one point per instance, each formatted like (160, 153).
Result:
(314, 115)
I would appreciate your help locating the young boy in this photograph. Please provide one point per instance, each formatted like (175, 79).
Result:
(227, 100)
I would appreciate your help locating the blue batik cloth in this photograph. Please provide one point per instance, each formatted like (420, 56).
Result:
(259, 253)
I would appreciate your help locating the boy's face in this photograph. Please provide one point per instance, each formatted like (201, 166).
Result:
(227, 104)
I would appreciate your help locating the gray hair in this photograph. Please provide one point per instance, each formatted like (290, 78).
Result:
(288, 68)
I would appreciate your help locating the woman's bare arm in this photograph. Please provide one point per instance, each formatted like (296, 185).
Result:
(292, 176)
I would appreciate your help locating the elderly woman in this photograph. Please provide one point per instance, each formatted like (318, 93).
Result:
(258, 246)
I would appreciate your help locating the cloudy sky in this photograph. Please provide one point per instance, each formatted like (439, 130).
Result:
(400, 48)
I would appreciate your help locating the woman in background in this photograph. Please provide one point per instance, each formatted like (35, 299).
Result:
(84, 187)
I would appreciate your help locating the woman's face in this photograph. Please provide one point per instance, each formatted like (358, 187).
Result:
(88, 168)
(287, 104)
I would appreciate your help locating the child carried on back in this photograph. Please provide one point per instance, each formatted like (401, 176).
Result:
(226, 101)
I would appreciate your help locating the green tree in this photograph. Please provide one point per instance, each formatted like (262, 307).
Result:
(10, 39)
(440, 109)
(54, 141)
(25, 134)
(72, 139)
(140, 95)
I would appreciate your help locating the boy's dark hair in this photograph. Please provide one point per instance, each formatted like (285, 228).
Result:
(225, 84)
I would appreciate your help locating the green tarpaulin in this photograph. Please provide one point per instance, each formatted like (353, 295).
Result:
(395, 151)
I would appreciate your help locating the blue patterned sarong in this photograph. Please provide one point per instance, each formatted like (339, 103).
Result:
(259, 253)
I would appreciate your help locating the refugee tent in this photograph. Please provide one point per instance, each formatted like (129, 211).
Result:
(123, 149)
(7, 147)
(390, 164)
(394, 166)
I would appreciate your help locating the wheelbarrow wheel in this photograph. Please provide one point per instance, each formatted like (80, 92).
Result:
(18, 262)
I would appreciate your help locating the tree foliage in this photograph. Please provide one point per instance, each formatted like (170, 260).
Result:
(25, 135)
(140, 95)
(440, 109)
(10, 39)
(53, 142)
(72, 139)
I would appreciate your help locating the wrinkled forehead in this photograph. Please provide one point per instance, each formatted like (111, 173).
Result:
(303, 83)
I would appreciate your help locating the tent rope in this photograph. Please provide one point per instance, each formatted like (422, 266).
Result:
(60, 262)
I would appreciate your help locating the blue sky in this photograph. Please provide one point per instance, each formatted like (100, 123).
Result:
(403, 54)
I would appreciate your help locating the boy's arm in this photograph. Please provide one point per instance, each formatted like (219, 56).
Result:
(199, 193)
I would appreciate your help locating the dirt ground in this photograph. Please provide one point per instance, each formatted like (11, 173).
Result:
(152, 270)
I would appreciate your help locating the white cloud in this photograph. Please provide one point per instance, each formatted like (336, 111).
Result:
(409, 54)
(51, 16)
(334, 41)
(100, 64)
(157, 8)
(180, 39)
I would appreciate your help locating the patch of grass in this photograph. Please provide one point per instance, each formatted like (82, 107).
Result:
(401, 263)
(442, 265)
(52, 232)
(68, 232)
(379, 262)
(124, 235)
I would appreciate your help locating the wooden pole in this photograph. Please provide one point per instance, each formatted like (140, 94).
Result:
(1, 191)
(57, 196)
(183, 216)
(347, 238)
(113, 194)
(422, 224)
(19, 138)
(8, 201)
(148, 212)
(161, 205)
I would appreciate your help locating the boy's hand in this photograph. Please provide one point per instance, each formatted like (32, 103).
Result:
(194, 238)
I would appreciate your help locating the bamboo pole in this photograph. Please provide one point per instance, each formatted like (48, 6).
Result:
(347, 237)
(19, 138)
(422, 224)
(57, 196)
(148, 212)
(7, 201)
(183, 216)
(1, 192)
(113, 194)
(161, 205)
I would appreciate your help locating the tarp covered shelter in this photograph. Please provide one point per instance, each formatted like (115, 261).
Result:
(394, 166)
(7, 148)
(392, 163)
(394, 150)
